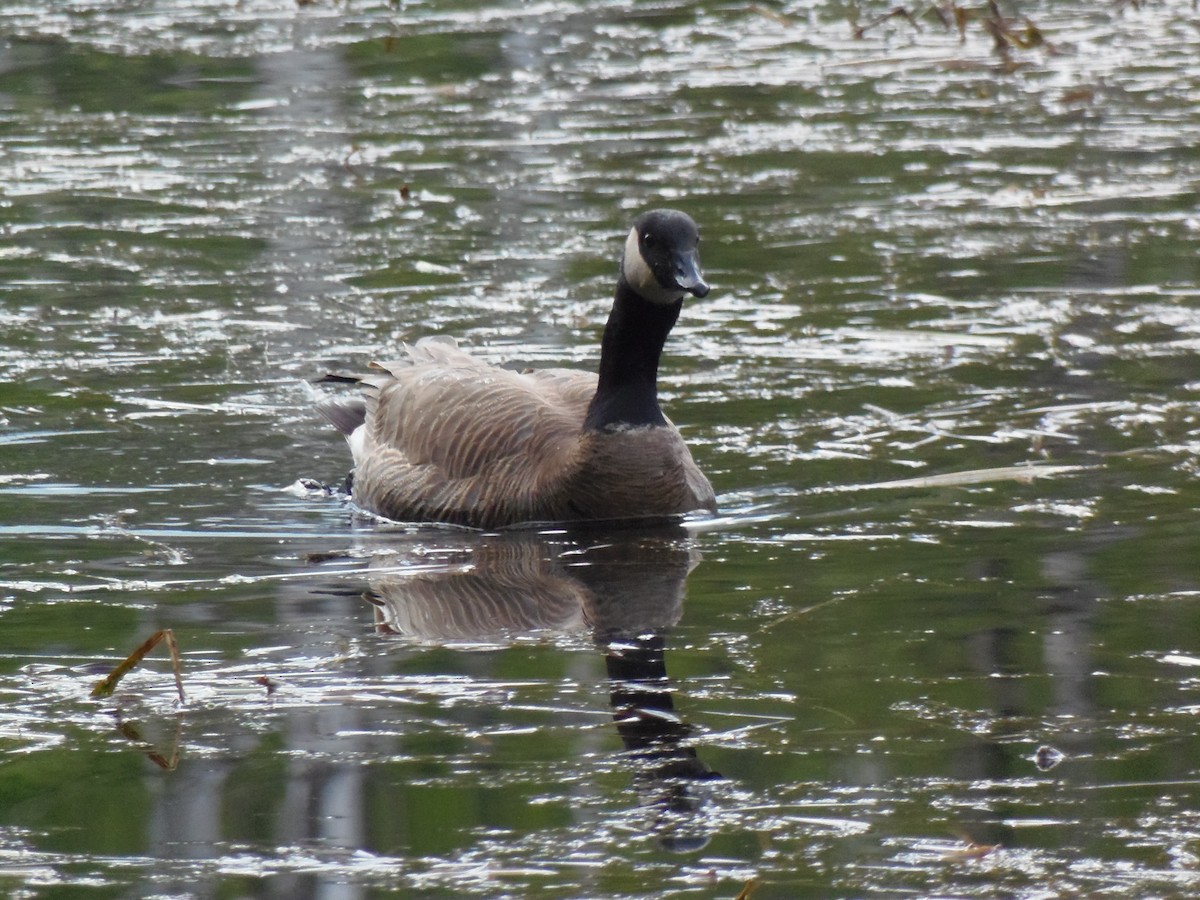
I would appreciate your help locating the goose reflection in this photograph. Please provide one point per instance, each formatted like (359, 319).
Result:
(626, 589)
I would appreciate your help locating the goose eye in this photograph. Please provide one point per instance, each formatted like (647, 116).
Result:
(648, 239)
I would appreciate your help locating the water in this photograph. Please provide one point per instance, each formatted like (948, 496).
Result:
(942, 640)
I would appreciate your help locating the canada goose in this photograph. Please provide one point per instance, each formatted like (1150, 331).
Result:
(441, 436)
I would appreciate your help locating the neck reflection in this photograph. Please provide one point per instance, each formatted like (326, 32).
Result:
(625, 588)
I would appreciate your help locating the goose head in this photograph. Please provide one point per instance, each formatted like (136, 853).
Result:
(661, 262)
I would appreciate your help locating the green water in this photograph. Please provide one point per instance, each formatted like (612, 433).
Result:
(942, 641)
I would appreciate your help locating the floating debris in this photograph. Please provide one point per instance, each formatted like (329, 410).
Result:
(1047, 757)
(1007, 33)
(106, 686)
(1023, 473)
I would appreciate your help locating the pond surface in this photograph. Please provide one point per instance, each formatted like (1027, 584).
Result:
(943, 639)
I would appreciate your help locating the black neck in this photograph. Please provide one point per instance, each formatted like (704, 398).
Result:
(627, 393)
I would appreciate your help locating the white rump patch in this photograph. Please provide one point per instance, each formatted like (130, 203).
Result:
(357, 439)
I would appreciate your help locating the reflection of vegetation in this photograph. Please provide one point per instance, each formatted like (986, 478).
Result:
(69, 793)
(441, 61)
(259, 783)
(58, 74)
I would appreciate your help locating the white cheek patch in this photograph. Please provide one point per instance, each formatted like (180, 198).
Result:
(641, 279)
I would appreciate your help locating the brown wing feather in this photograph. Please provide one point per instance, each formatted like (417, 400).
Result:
(454, 439)
(572, 387)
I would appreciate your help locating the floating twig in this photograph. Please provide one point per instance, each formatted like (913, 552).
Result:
(106, 686)
(1023, 473)
(898, 12)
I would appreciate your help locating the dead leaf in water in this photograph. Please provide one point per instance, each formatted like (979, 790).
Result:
(1082, 96)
